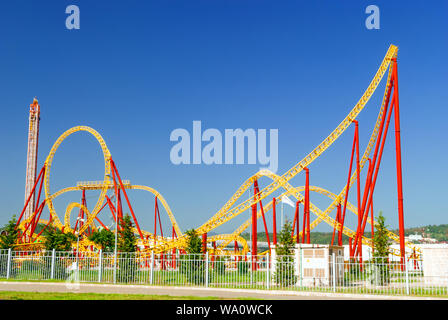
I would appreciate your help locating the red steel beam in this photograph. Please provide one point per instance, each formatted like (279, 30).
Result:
(114, 168)
(274, 223)
(398, 162)
(347, 189)
(378, 162)
(204, 242)
(262, 215)
(254, 230)
(296, 223)
(41, 173)
(307, 205)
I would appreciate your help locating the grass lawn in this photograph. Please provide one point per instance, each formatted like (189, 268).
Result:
(22, 295)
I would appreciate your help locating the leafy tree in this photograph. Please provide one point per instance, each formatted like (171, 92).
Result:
(286, 242)
(54, 238)
(127, 241)
(381, 245)
(9, 234)
(194, 242)
(104, 238)
(285, 271)
(127, 246)
(381, 240)
(192, 265)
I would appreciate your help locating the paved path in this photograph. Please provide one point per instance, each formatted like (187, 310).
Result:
(184, 291)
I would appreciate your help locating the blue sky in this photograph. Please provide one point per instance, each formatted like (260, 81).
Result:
(136, 70)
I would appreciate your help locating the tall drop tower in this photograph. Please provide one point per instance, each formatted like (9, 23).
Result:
(31, 159)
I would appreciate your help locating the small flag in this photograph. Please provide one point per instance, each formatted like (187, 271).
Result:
(288, 201)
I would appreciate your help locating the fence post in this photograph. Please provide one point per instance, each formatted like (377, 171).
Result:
(8, 266)
(100, 266)
(53, 260)
(268, 262)
(151, 269)
(206, 269)
(407, 274)
(251, 269)
(334, 272)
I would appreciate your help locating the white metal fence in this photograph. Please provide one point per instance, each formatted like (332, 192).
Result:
(375, 276)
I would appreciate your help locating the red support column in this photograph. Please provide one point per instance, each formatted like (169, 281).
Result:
(350, 247)
(338, 219)
(307, 205)
(36, 220)
(347, 189)
(358, 189)
(39, 212)
(274, 222)
(117, 198)
(32, 226)
(48, 223)
(304, 224)
(111, 206)
(372, 219)
(254, 231)
(382, 133)
(213, 254)
(114, 168)
(296, 223)
(84, 203)
(40, 176)
(378, 152)
(173, 252)
(263, 216)
(398, 161)
(204, 242)
(235, 248)
(156, 208)
(368, 191)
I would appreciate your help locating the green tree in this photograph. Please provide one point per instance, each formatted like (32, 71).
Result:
(381, 244)
(54, 238)
(127, 263)
(9, 234)
(194, 242)
(127, 241)
(103, 238)
(192, 265)
(285, 271)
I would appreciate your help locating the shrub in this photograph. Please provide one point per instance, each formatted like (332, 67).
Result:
(220, 265)
(285, 270)
(243, 266)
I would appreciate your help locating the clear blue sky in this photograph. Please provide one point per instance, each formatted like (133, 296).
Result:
(136, 70)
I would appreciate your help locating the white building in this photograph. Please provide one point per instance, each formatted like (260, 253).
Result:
(314, 264)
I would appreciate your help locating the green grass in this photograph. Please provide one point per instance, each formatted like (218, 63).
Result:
(22, 295)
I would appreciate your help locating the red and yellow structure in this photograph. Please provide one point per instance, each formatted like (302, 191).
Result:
(39, 189)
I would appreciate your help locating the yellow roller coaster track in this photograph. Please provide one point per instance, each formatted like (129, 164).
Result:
(230, 210)
(227, 212)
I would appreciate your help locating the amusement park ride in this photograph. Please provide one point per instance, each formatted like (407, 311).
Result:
(35, 201)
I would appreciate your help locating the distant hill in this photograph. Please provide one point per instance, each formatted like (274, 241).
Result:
(438, 232)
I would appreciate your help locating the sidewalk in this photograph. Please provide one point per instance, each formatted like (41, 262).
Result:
(187, 291)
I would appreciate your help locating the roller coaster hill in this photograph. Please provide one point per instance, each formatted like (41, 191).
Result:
(113, 192)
